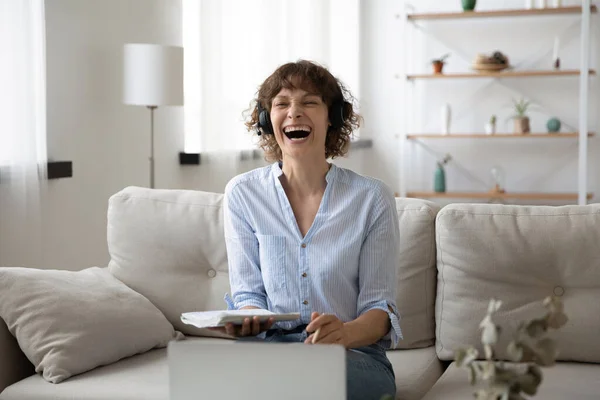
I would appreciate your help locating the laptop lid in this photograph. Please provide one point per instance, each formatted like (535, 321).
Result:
(256, 371)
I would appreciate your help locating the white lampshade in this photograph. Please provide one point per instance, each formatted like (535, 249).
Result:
(153, 75)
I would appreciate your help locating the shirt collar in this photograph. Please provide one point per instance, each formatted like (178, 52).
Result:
(329, 177)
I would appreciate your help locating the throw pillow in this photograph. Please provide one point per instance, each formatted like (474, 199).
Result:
(70, 322)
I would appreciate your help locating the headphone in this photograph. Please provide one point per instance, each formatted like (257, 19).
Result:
(336, 117)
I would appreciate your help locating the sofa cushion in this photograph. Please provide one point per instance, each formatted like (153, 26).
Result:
(571, 381)
(416, 371)
(144, 376)
(69, 322)
(520, 255)
(417, 274)
(169, 246)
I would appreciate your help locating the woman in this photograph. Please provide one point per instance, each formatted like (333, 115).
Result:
(306, 236)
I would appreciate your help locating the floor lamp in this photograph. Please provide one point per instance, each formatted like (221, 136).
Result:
(153, 77)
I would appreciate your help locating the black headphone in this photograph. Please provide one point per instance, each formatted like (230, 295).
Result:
(336, 117)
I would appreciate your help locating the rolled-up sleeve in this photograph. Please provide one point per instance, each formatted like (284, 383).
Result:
(245, 278)
(378, 263)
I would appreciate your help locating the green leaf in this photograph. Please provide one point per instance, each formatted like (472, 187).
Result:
(557, 320)
(530, 381)
(489, 333)
(515, 351)
(459, 356)
(472, 375)
(537, 328)
(528, 353)
(545, 352)
(489, 352)
(464, 357)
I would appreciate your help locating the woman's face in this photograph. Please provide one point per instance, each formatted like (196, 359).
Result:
(300, 121)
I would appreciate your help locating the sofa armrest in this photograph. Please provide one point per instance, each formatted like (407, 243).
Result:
(14, 366)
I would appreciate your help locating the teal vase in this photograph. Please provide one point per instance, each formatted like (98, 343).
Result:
(553, 125)
(468, 5)
(439, 180)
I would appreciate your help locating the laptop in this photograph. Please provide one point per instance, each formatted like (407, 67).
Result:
(255, 371)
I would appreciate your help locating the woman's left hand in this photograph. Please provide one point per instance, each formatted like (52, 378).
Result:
(330, 330)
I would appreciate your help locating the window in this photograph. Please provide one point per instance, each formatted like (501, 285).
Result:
(23, 83)
(231, 46)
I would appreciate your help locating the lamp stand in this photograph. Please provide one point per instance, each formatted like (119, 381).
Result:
(151, 159)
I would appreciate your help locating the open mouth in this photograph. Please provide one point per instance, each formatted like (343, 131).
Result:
(297, 132)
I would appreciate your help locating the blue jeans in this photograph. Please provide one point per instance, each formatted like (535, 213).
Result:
(369, 373)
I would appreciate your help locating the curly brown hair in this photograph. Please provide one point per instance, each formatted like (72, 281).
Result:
(314, 78)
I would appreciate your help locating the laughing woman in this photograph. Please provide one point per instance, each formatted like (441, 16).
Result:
(304, 235)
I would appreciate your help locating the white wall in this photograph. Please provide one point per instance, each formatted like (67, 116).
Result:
(108, 141)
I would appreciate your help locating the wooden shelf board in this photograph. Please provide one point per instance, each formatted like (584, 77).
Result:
(495, 136)
(490, 195)
(499, 13)
(500, 74)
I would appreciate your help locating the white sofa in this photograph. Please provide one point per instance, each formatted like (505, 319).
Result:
(168, 246)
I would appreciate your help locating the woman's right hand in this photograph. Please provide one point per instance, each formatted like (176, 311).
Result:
(250, 327)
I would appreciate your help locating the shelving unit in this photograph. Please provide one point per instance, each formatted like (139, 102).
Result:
(503, 196)
(501, 74)
(574, 135)
(581, 133)
(500, 13)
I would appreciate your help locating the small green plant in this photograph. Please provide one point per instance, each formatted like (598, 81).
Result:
(530, 348)
(440, 60)
(447, 158)
(521, 107)
(493, 119)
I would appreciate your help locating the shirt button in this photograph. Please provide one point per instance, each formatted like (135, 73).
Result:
(303, 245)
(304, 275)
(212, 273)
(305, 302)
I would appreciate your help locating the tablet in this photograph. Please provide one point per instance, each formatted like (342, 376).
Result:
(212, 319)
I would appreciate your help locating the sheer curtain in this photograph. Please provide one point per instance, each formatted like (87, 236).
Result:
(22, 129)
(231, 46)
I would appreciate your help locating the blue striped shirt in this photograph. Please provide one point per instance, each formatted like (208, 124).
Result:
(345, 265)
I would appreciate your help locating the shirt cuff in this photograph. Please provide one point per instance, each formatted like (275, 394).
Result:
(391, 339)
(244, 301)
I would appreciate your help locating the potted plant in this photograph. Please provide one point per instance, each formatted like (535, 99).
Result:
(469, 5)
(438, 63)
(520, 118)
(490, 127)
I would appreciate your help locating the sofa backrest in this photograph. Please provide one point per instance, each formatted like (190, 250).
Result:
(417, 274)
(519, 255)
(168, 245)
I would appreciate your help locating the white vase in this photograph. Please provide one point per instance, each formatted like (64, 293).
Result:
(528, 4)
(446, 118)
(490, 128)
(556, 3)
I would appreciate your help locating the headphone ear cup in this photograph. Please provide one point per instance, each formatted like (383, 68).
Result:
(264, 121)
(336, 114)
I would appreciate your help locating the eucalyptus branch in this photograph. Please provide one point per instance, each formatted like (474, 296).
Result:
(531, 348)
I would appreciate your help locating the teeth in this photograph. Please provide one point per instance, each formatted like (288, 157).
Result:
(304, 128)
